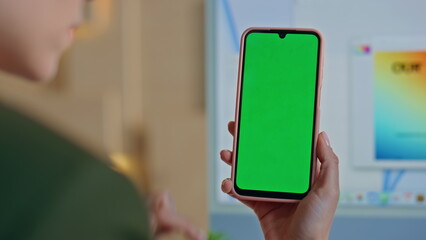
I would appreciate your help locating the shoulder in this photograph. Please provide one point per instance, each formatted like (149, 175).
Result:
(51, 187)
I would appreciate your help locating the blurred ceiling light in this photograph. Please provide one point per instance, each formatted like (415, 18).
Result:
(121, 163)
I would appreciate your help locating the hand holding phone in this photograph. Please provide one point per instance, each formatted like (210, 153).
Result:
(277, 152)
(310, 218)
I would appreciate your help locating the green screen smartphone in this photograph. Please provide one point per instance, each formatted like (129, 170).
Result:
(277, 113)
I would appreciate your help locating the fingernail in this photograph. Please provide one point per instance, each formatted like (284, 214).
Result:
(227, 153)
(327, 140)
(226, 188)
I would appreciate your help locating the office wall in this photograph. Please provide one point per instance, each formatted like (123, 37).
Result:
(173, 96)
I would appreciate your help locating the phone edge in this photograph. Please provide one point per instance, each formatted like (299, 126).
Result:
(317, 113)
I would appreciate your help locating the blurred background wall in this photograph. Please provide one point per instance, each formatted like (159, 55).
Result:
(174, 113)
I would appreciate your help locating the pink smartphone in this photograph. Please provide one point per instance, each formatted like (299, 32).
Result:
(277, 114)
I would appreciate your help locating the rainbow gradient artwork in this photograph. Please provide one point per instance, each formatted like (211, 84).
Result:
(400, 105)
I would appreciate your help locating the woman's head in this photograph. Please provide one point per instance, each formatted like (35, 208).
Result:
(34, 33)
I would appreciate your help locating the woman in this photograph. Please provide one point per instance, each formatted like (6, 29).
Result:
(33, 35)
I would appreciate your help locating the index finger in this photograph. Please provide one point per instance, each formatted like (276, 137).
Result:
(329, 170)
(231, 128)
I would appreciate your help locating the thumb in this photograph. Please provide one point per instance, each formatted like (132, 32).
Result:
(328, 178)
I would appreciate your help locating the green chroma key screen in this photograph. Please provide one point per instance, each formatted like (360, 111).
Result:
(277, 112)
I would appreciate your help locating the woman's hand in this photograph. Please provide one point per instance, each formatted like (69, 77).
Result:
(165, 219)
(311, 218)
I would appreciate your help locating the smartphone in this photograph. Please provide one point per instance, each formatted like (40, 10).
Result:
(277, 113)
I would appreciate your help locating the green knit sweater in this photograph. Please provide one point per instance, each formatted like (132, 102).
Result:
(51, 189)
